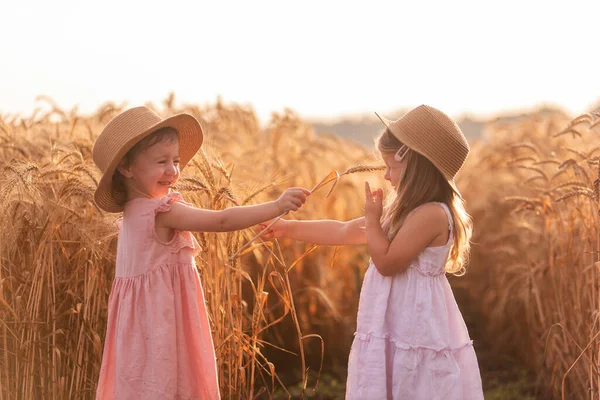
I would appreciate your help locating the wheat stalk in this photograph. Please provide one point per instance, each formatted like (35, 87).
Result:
(333, 176)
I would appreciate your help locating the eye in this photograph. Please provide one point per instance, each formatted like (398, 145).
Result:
(176, 162)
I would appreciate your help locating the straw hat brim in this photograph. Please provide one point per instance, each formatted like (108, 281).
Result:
(190, 139)
(400, 136)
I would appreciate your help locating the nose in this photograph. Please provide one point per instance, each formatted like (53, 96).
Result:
(171, 169)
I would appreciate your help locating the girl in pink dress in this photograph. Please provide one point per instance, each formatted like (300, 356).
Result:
(411, 340)
(158, 339)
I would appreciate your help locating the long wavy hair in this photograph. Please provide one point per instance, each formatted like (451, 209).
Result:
(421, 182)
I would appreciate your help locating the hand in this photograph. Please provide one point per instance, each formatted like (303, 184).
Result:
(278, 229)
(373, 204)
(292, 199)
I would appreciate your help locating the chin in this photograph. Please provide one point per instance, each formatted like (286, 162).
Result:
(163, 193)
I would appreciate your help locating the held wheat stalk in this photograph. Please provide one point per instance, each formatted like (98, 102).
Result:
(332, 176)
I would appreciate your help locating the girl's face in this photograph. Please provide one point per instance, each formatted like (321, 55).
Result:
(154, 170)
(394, 169)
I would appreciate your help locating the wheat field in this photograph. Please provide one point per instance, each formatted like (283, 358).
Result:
(283, 313)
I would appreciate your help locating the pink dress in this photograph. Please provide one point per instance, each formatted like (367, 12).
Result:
(411, 340)
(158, 340)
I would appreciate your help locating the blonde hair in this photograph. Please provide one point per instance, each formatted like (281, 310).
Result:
(422, 182)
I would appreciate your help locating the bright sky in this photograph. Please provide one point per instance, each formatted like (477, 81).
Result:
(321, 58)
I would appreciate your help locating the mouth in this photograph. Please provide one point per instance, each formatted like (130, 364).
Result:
(166, 183)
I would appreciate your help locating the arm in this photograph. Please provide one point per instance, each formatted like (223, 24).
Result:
(417, 232)
(186, 218)
(324, 232)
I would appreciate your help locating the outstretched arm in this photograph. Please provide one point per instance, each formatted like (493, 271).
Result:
(323, 232)
(187, 218)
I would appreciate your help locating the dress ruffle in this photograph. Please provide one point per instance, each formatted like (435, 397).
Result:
(182, 239)
(391, 369)
(405, 346)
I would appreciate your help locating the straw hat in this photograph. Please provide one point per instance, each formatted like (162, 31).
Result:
(433, 134)
(127, 129)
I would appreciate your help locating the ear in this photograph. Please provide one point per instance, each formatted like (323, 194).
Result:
(125, 169)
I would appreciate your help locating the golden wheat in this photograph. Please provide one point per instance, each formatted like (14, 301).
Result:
(279, 309)
(58, 253)
(534, 282)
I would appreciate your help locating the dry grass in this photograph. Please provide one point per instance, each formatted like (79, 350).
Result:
(283, 307)
(58, 252)
(532, 188)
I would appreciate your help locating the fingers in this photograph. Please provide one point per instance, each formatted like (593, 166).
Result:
(293, 204)
(304, 191)
(294, 198)
(373, 196)
(301, 194)
(299, 200)
(378, 194)
(268, 234)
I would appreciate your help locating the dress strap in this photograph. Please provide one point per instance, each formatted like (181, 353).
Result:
(449, 215)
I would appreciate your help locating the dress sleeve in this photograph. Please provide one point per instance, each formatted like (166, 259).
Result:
(165, 202)
(181, 239)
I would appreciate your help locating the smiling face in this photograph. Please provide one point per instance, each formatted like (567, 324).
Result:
(153, 170)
